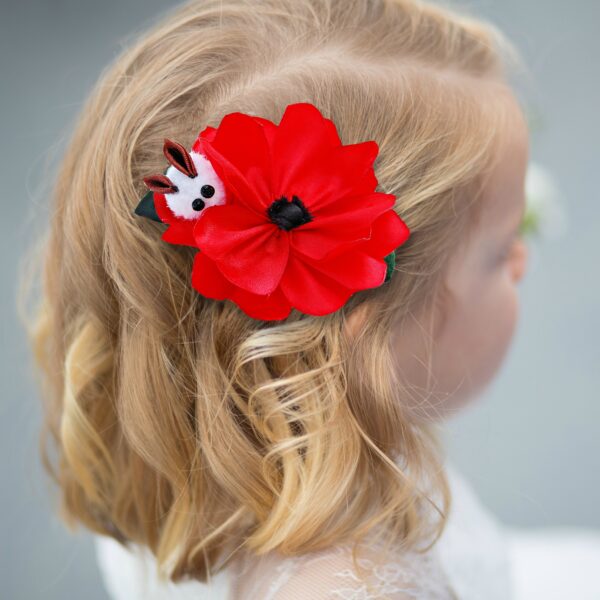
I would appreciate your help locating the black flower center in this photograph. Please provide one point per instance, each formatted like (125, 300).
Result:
(288, 214)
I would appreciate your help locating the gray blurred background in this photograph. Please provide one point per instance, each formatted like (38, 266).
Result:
(530, 446)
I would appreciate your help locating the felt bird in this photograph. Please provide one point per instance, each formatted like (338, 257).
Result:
(181, 195)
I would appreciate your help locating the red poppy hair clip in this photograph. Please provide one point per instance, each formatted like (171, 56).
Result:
(284, 216)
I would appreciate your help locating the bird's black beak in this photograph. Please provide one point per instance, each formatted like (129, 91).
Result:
(146, 208)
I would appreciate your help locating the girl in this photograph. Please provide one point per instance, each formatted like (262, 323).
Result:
(226, 447)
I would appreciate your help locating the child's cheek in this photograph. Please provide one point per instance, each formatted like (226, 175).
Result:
(507, 305)
(483, 329)
(498, 317)
(471, 340)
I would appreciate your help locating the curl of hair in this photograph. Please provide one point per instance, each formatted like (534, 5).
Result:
(177, 421)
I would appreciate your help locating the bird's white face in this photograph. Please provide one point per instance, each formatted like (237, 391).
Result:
(194, 194)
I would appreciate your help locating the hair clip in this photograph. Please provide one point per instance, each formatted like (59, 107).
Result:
(283, 216)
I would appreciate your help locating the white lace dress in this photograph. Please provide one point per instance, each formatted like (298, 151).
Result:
(475, 559)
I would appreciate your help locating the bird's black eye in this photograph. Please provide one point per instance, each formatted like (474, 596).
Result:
(198, 204)
(208, 191)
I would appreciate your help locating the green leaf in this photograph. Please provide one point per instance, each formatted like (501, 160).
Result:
(146, 208)
(390, 260)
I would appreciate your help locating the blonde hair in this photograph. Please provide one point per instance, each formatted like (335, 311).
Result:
(177, 421)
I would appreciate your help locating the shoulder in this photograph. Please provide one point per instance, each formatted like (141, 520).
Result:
(332, 574)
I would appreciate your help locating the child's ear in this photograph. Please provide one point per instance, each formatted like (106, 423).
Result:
(179, 157)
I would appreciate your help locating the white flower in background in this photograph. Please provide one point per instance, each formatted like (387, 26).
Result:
(545, 215)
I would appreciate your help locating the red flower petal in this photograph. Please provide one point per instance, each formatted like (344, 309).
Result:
(351, 212)
(318, 244)
(208, 134)
(311, 291)
(179, 231)
(334, 175)
(269, 129)
(337, 224)
(388, 233)
(239, 190)
(349, 173)
(242, 140)
(269, 307)
(302, 137)
(334, 138)
(250, 253)
(355, 269)
(208, 280)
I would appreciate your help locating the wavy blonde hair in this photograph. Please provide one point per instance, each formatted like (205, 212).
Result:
(176, 421)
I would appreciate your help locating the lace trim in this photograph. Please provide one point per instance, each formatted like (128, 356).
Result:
(414, 576)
